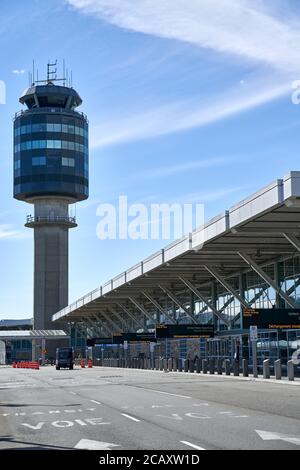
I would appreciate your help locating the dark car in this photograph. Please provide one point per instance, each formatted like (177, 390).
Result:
(64, 358)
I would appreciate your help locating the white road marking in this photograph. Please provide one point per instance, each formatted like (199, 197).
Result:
(162, 406)
(36, 427)
(172, 416)
(239, 416)
(197, 415)
(230, 414)
(274, 436)
(62, 424)
(79, 421)
(201, 404)
(97, 402)
(87, 444)
(73, 393)
(192, 445)
(166, 393)
(130, 417)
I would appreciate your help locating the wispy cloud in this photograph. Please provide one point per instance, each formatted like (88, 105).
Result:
(186, 114)
(211, 196)
(161, 172)
(18, 71)
(245, 31)
(8, 233)
(252, 29)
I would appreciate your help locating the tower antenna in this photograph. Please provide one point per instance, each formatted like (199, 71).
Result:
(33, 74)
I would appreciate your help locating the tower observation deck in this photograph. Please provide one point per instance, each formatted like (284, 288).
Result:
(50, 172)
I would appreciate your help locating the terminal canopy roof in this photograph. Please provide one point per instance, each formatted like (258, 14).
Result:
(262, 228)
(32, 334)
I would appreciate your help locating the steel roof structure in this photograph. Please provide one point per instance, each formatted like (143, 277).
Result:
(250, 235)
(32, 334)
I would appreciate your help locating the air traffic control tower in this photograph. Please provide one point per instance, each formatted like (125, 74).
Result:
(50, 173)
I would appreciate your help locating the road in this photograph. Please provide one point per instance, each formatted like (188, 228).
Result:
(110, 408)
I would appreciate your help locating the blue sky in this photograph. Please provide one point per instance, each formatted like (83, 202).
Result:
(187, 102)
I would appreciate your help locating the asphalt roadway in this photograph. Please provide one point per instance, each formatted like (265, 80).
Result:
(125, 409)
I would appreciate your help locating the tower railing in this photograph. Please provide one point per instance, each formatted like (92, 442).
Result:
(50, 110)
(50, 219)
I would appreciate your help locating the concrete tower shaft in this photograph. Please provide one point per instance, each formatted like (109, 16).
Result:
(51, 224)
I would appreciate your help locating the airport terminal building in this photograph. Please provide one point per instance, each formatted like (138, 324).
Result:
(239, 270)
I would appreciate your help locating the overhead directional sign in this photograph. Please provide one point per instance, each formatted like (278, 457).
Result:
(272, 318)
(143, 337)
(184, 331)
(93, 341)
(118, 338)
(133, 337)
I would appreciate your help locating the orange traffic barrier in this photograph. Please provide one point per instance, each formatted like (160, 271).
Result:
(82, 363)
(26, 365)
(90, 363)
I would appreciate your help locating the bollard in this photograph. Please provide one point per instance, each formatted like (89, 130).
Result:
(266, 369)
(277, 367)
(161, 364)
(198, 365)
(175, 364)
(245, 368)
(211, 366)
(220, 366)
(204, 366)
(156, 364)
(165, 364)
(227, 366)
(236, 368)
(290, 370)
(192, 366)
(170, 364)
(179, 365)
(186, 365)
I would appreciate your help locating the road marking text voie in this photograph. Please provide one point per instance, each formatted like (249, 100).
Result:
(62, 424)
